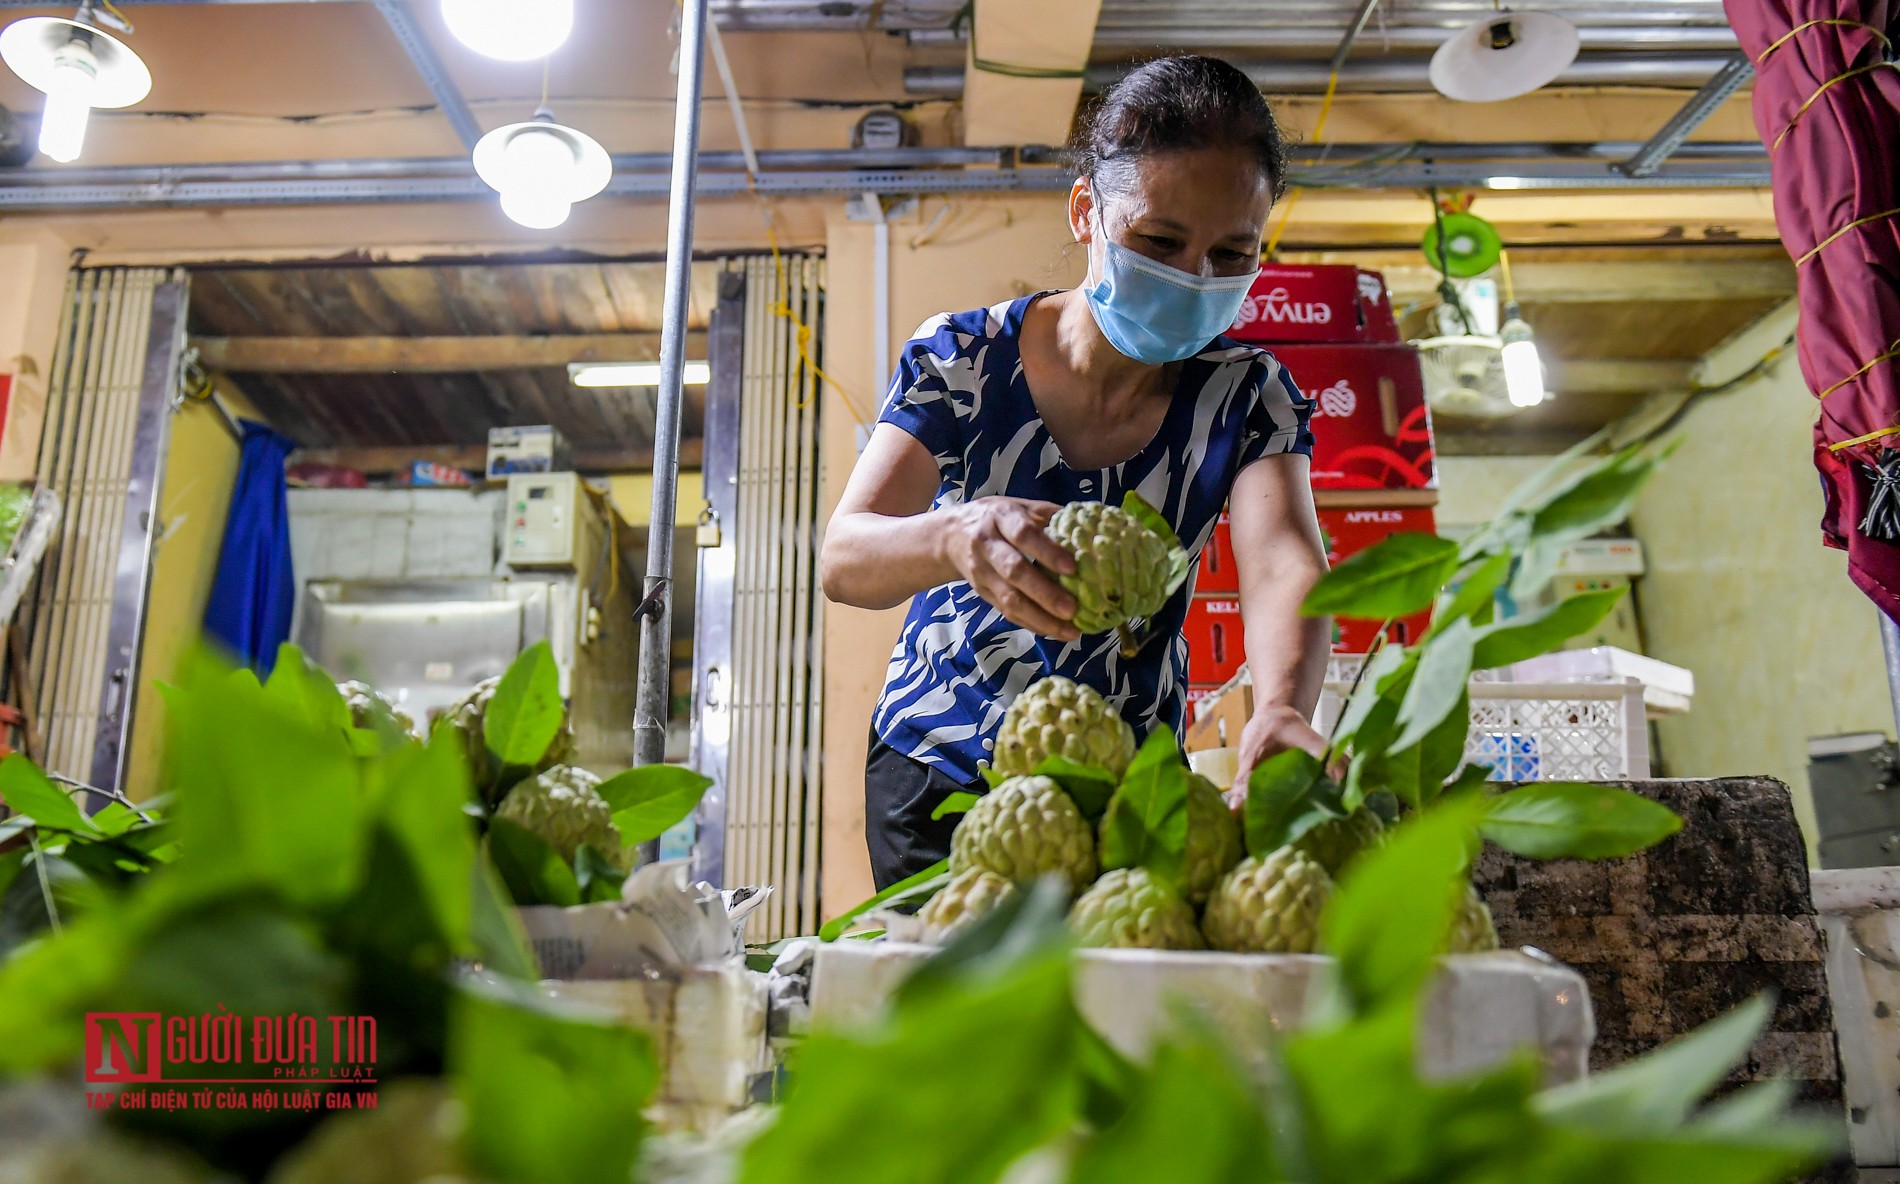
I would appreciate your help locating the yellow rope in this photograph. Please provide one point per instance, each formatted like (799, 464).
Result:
(1856, 223)
(1319, 137)
(1805, 25)
(801, 332)
(1892, 353)
(1823, 89)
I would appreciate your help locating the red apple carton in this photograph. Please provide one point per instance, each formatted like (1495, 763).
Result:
(1371, 428)
(1319, 303)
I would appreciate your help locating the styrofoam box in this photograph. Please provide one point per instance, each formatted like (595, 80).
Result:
(1483, 1008)
(1665, 687)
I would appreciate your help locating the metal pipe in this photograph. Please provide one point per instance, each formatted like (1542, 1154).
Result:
(1392, 74)
(1716, 91)
(653, 688)
(1353, 29)
(1316, 40)
(1890, 647)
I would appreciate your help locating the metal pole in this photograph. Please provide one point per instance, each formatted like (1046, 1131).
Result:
(656, 618)
(1890, 646)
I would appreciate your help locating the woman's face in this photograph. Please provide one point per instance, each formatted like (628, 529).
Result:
(1201, 211)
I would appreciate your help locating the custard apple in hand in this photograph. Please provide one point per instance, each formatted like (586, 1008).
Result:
(1123, 570)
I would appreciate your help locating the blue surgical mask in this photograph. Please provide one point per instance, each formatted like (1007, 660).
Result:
(1156, 314)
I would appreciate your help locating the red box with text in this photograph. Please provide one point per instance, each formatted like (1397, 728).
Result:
(1371, 429)
(1215, 650)
(1350, 531)
(1333, 302)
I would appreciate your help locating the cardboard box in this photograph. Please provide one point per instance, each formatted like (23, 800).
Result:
(1215, 651)
(1371, 428)
(1218, 719)
(1218, 573)
(1334, 303)
(1349, 531)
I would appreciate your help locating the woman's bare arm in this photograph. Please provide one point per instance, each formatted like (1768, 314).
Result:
(1280, 556)
(885, 544)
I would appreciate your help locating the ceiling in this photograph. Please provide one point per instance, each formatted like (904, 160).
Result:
(355, 358)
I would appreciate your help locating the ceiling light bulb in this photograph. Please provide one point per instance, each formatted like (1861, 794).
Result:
(1523, 368)
(511, 30)
(608, 374)
(538, 174)
(70, 87)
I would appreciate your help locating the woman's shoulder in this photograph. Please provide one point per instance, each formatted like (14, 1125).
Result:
(1235, 364)
(966, 331)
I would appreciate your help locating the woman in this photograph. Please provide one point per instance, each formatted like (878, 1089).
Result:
(997, 417)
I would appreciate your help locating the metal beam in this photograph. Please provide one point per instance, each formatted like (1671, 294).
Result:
(1622, 283)
(1385, 74)
(426, 355)
(373, 189)
(448, 100)
(1716, 91)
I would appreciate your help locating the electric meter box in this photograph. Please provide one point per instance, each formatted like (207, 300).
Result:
(535, 449)
(546, 514)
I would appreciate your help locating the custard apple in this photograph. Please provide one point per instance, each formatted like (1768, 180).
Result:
(1122, 568)
(1058, 717)
(968, 895)
(562, 806)
(1213, 839)
(366, 703)
(412, 1135)
(1268, 905)
(1471, 929)
(468, 716)
(1130, 908)
(1024, 828)
(1336, 843)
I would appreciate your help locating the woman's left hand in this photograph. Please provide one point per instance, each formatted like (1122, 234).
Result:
(1271, 731)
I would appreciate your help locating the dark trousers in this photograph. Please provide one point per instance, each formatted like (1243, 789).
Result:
(899, 795)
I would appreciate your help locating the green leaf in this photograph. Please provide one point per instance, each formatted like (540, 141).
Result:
(1385, 672)
(951, 1091)
(1748, 1110)
(1388, 919)
(1193, 1116)
(993, 778)
(1536, 566)
(1023, 926)
(1137, 507)
(1395, 577)
(28, 791)
(1280, 791)
(1090, 786)
(1595, 499)
(496, 937)
(23, 908)
(1519, 638)
(1444, 674)
(956, 803)
(1562, 820)
(1476, 595)
(928, 880)
(1416, 774)
(1654, 1093)
(650, 800)
(525, 715)
(266, 799)
(1146, 823)
(423, 791)
(553, 1096)
(534, 872)
(596, 876)
(307, 691)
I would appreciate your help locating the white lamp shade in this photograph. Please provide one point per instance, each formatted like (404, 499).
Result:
(32, 49)
(498, 166)
(510, 30)
(1504, 56)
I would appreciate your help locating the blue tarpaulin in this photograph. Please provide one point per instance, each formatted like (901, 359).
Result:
(252, 598)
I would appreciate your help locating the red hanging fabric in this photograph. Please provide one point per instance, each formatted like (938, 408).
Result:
(1827, 105)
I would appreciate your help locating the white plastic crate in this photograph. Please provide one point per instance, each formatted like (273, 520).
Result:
(1544, 731)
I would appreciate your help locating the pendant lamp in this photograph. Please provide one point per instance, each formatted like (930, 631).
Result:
(1503, 56)
(78, 66)
(541, 168)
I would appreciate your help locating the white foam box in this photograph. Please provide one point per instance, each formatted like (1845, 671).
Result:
(1666, 688)
(1483, 1008)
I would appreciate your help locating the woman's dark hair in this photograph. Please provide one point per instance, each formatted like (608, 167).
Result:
(1176, 104)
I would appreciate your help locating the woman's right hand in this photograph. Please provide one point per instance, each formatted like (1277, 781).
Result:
(1002, 547)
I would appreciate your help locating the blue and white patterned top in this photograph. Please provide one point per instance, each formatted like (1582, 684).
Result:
(959, 390)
